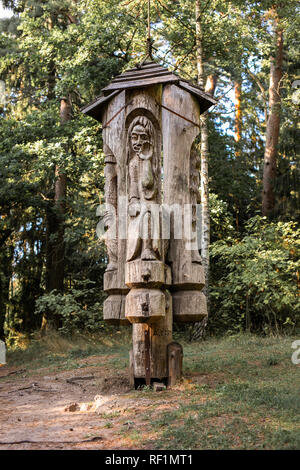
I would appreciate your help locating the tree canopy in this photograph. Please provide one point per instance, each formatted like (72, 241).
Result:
(54, 50)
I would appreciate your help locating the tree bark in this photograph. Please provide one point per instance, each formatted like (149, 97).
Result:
(273, 124)
(210, 86)
(199, 44)
(56, 274)
(55, 249)
(238, 115)
(6, 259)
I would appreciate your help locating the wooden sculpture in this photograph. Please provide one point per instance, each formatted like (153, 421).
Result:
(150, 119)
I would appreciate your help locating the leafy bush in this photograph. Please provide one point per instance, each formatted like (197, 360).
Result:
(80, 308)
(255, 280)
(221, 220)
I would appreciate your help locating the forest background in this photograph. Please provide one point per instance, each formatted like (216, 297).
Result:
(55, 56)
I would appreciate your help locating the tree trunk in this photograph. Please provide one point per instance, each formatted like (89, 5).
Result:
(210, 86)
(56, 274)
(272, 131)
(6, 259)
(238, 115)
(55, 227)
(55, 213)
(199, 44)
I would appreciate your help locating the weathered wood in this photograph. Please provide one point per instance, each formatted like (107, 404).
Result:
(141, 273)
(146, 65)
(178, 137)
(112, 284)
(138, 348)
(205, 100)
(175, 357)
(115, 187)
(145, 305)
(143, 71)
(133, 76)
(93, 109)
(142, 83)
(145, 270)
(131, 369)
(114, 138)
(114, 310)
(147, 355)
(158, 387)
(160, 337)
(147, 74)
(191, 275)
(148, 110)
(189, 306)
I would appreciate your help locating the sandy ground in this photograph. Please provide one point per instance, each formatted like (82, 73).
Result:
(87, 408)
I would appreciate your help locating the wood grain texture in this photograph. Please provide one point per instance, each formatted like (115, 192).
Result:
(145, 305)
(145, 270)
(179, 173)
(115, 147)
(175, 358)
(160, 336)
(189, 306)
(140, 273)
(141, 268)
(142, 83)
(114, 310)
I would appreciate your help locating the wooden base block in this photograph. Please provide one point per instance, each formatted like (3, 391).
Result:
(112, 283)
(145, 305)
(175, 357)
(142, 273)
(131, 370)
(158, 386)
(191, 276)
(114, 310)
(189, 306)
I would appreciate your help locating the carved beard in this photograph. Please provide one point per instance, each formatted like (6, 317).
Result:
(142, 146)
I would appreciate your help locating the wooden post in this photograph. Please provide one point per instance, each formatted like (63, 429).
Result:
(175, 356)
(150, 120)
(147, 304)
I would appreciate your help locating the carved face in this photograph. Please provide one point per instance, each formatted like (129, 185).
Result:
(140, 140)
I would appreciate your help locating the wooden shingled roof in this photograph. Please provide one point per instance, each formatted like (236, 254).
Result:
(149, 73)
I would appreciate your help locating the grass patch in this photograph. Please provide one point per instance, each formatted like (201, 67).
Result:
(239, 392)
(247, 397)
(63, 352)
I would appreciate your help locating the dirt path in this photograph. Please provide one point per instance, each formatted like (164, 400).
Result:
(87, 408)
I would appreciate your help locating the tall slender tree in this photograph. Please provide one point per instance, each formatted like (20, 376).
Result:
(273, 123)
(209, 84)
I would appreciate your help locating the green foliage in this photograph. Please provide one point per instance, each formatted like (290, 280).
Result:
(79, 309)
(220, 218)
(239, 392)
(55, 48)
(256, 278)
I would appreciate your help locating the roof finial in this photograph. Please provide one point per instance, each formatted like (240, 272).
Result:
(149, 42)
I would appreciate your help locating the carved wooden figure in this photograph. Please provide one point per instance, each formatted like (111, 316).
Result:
(151, 118)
